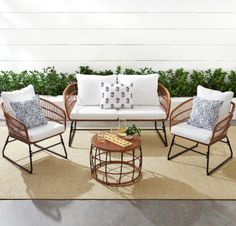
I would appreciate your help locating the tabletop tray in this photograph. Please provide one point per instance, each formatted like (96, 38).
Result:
(116, 140)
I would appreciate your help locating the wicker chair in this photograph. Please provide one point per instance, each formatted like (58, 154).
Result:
(70, 99)
(18, 131)
(179, 128)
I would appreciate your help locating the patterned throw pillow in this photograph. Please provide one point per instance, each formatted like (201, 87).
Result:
(116, 96)
(205, 113)
(29, 112)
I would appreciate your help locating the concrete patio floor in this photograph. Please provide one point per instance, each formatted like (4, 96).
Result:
(92, 212)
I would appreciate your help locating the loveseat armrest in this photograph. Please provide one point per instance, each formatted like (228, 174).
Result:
(53, 112)
(221, 128)
(181, 113)
(16, 128)
(164, 97)
(70, 97)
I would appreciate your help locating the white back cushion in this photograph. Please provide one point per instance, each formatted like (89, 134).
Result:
(211, 94)
(89, 88)
(145, 88)
(17, 95)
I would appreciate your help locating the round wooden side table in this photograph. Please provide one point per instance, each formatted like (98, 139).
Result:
(114, 165)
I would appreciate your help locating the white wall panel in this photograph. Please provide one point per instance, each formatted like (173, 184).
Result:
(117, 37)
(119, 21)
(108, 53)
(106, 33)
(117, 6)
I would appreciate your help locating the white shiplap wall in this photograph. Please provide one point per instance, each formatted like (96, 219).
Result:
(163, 34)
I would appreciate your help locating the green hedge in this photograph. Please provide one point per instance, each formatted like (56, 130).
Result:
(179, 82)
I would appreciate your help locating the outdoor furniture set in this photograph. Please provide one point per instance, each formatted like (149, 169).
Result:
(204, 119)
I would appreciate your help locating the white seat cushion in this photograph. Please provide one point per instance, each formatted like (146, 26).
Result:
(45, 131)
(192, 132)
(93, 113)
(142, 113)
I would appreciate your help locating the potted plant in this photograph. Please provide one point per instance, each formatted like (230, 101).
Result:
(132, 131)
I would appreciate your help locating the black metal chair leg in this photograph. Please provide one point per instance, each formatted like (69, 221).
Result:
(53, 145)
(5, 145)
(221, 164)
(208, 158)
(72, 132)
(70, 135)
(63, 144)
(30, 157)
(163, 137)
(172, 144)
(230, 148)
(30, 170)
(164, 131)
(15, 163)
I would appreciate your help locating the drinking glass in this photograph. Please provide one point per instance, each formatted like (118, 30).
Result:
(114, 129)
(101, 137)
(122, 126)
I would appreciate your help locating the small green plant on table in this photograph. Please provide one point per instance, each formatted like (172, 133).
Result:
(132, 131)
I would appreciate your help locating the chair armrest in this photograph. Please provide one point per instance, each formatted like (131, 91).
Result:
(221, 128)
(16, 128)
(164, 97)
(181, 113)
(70, 97)
(53, 112)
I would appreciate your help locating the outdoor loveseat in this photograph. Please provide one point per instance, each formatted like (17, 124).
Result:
(77, 113)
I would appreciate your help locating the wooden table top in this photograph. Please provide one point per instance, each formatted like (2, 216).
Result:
(109, 146)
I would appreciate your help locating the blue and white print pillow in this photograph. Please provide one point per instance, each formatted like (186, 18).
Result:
(116, 96)
(29, 112)
(205, 113)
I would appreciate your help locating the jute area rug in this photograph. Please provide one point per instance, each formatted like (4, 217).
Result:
(57, 178)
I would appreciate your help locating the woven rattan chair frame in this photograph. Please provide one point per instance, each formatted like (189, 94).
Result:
(17, 131)
(181, 114)
(70, 99)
